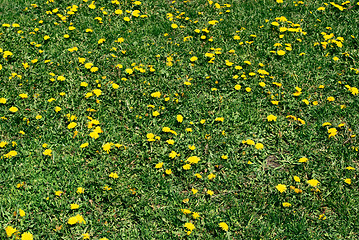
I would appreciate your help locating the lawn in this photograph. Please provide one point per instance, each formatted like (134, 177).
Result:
(186, 119)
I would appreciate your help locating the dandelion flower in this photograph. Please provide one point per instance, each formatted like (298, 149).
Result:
(224, 226)
(281, 188)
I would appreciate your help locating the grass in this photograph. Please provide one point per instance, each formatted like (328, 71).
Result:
(268, 93)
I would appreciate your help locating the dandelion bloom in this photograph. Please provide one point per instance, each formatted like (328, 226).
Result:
(189, 226)
(113, 175)
(271, 118)
(47, 152)
(303, 159)
(26, 236)
(13, 109)
(179, 118)
(313, 182)
(10, 231)
(281, 188)
(193, 59)
(224, 226)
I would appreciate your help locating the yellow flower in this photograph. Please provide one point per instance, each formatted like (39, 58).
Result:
(271, 118)
(86, 236)
(303, 159)
(186, 167)
(102, 40)
(280, 52)
(174, 26)
(3, 100)
(74, 206)
(186, 211)
(88, 65)
(189, 226)
(21, 212)
(94, 69)
(259, 146)
(296, 178)
(97, 92)
(168, 171)
(76, 219)
(211, 176)
(156, 94)
(179, 118)
(193, 59)
(58, 193)
(195, 215)
(330, 99)
(313, 182)
(57, 109)
(219, 119)
(47, 152)
(286, 204)
(23, 95)
(194, 191)
(326, 124)
(159, 165)
(281, 188)
(348, 181)
(155, 113)
(71, 125)
(13, 109)
(210, 192)
(80, 190)
(193, 159)
(224, 226)
(107, 147)
(113, 175)
(84, 145)
(332, 132)
(198, 175)
(170, 142)
(237, 87)
(26, 236)
(10, 231)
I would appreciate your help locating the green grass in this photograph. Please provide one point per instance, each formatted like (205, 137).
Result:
(145, 201)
